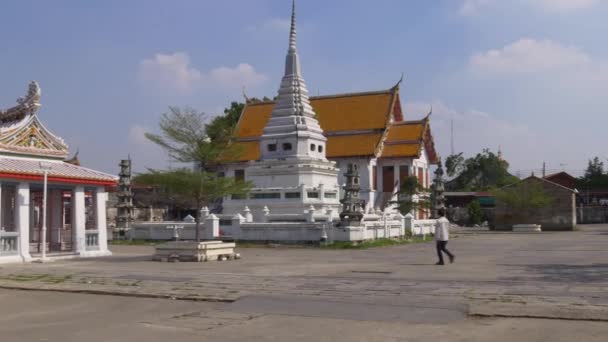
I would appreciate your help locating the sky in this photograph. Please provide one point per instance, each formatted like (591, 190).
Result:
(528, 76)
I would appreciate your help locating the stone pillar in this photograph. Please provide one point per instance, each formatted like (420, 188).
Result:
(22, 219)
(78, 220)
(100, 214)
(237, 220)
(322, 192)
(55, 212)
(408, 223)
(303, 193)
(248, 215)
(212, 227)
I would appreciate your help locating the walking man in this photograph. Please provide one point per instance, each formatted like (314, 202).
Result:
(442, 235)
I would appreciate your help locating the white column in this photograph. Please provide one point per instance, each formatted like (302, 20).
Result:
(22, 219)
(100, 214)
(78, 220)
(55, 212)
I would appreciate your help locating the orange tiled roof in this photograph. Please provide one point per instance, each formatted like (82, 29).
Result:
(405, 139)
(352, 145)
(355, 125)
(401, 150)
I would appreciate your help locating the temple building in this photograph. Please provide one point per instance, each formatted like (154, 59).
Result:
(36, 178)
(292, 148)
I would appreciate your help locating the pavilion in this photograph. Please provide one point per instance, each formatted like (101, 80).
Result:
(35, 178)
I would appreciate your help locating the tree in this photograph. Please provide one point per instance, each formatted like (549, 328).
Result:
(220, 129)
(454, 164)
(480, 173)
(406, 201)
(186, 137)
(475, 212)
(595, 168)
(195, 188)
(524, 197)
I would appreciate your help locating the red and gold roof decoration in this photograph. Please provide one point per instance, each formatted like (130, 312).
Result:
(356, 124)
(30, 137)
(22, 133)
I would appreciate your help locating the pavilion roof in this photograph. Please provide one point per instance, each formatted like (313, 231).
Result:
(59, 172)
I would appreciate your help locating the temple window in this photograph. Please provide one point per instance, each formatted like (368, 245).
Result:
(286, 146)
(313, 195)
(320, 149)
(331, 195)
(313, 147)
(270, 195)
(272, 147)
(292, 195)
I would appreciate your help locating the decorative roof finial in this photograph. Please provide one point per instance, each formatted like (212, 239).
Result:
(292, 33)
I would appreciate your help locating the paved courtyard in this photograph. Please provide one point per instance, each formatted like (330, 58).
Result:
(503, 286)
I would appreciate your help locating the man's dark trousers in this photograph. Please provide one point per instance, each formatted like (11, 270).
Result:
(441, 247)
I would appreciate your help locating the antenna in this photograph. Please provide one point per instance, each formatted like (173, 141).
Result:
(452, 137)
(544, 169)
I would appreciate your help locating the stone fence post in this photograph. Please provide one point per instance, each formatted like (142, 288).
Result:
(248, 215)
(266, 215)
(212, 227)
(237, 220)
(399, 217)
(408, 223)
(311, 214)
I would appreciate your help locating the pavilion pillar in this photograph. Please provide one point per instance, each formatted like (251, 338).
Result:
(100, 218)
(22, 219)
(78, 220)
(55, 212)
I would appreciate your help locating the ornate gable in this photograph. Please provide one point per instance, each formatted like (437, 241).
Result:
(21, 132)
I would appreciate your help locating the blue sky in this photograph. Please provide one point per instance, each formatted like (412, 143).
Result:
(527, 75)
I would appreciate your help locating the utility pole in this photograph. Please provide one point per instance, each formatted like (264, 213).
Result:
(452, 137)
(544, 169)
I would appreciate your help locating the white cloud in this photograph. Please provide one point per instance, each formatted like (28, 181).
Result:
(241, 75)
(169, 71)
(174, 72)
(528, 56)
(473, 7)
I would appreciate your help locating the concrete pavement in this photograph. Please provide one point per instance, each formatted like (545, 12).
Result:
(292, 290)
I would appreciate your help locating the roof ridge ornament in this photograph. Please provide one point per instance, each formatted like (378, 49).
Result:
(26, 105)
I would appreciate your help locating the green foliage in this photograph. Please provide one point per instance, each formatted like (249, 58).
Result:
(524, 197)
(220, 129)
(595, 168)
(480, 173)
(475, 212)
(405, 202)
(193, 188)
(594, 176)
(454, 164)
(184, 137)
